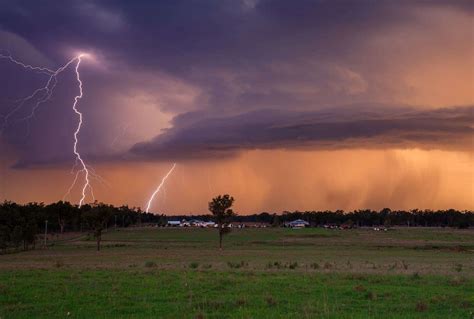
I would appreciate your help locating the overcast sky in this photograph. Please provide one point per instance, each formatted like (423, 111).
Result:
(284, 104)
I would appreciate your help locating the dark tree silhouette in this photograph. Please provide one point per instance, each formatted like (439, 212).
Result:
(97, 218)
(21, 224)
(63, 211)
(220, 207)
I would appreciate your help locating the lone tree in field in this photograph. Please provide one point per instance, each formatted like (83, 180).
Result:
(220, 209)
(97, 218)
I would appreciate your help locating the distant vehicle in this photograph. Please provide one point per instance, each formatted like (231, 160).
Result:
(299, 223)
(174, 223)
(249, 225)
(190, 223)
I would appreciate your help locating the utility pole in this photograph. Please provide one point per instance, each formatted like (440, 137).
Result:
(45, 231)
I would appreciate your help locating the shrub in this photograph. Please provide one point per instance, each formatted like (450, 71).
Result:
(314, 265)
(194, 265)
(237, 265)
(293, 265)
(275, 264)
(150, 264)
(327, 265)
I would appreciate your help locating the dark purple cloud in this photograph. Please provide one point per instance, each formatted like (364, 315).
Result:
(352, 126)
(262, 67)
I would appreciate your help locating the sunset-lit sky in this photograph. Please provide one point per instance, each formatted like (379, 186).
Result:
(286, 105)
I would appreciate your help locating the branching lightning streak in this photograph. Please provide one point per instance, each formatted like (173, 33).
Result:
(84, 169)
(159, 187)
(27, 66)
(47, 91)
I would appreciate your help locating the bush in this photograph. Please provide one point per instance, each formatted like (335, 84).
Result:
(150, 264)
(327, 265)
(314, 265)
(194, 265)
(237, 265)
(293, 265)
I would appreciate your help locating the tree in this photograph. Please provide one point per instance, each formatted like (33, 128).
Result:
(4, 237)
(276, 221)
(220, 209)
(17, 236)
(97, 218)
(62, 211)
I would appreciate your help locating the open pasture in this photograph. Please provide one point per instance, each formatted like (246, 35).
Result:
(260, 273)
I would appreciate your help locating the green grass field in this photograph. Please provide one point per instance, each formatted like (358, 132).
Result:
(261, 273)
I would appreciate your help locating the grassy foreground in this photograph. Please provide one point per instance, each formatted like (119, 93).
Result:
(196, 293)
(262, 273)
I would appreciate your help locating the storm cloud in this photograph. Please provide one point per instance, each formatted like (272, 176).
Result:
(336, 128)
(259, 66)
(211, 80)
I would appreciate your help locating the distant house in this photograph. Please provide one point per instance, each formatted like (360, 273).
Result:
(249, 225)
(174, 223)
(196, 223)
(208, 224)
(299, 223)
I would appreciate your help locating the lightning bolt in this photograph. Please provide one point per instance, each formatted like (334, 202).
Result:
(42, 95)
(27, 66)
(84, 168)
(159, 187)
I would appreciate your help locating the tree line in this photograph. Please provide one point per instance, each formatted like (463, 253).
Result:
(20, 225)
